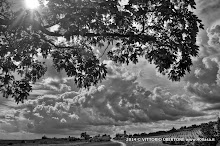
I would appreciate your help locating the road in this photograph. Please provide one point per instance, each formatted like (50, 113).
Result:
(122, 144)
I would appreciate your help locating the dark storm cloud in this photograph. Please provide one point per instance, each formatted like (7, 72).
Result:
(204, 71)
(204, 79)
(119, 101)
(206, 93)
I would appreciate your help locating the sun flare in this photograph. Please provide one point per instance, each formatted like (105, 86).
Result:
(32, 4)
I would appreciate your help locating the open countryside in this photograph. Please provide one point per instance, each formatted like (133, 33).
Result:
(109, 72)
(183, 136)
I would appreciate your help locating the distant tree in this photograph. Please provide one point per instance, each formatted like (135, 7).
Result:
(173, 130)
(194, 126)
(44, 137)
(104, 135)
(144, 134)
(23, 141)
(83, 135)
(136, 135)
(183, 127)
(164, 31)
(210, 130)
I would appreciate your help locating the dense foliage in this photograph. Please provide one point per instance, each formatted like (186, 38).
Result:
(164, 31)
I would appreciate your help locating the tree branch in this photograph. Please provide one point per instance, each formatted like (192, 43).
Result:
(104, 51)
(56, 46)
(49, 33)
(36, 24)
(44, 30)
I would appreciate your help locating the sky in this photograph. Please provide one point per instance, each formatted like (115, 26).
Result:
(135, 98)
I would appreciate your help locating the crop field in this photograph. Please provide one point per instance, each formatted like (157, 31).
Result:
(187, 134)
(191, 134)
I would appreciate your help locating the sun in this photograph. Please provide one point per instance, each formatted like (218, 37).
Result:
(32, 4)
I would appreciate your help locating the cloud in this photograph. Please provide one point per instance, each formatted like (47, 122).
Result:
(208, 11)
(205, 93)
(116, 102)
(214, 36)
(51, 71)
(215, 106)
(205, 70)
(208, 6)
(53, 86)
(204, 79)
(59, 85)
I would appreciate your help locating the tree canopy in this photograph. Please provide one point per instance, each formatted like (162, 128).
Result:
(162, 31)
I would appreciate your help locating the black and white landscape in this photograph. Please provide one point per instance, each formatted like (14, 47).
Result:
(136, 97)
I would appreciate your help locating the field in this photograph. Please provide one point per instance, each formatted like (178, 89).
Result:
(66, 144)
(187, 134)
